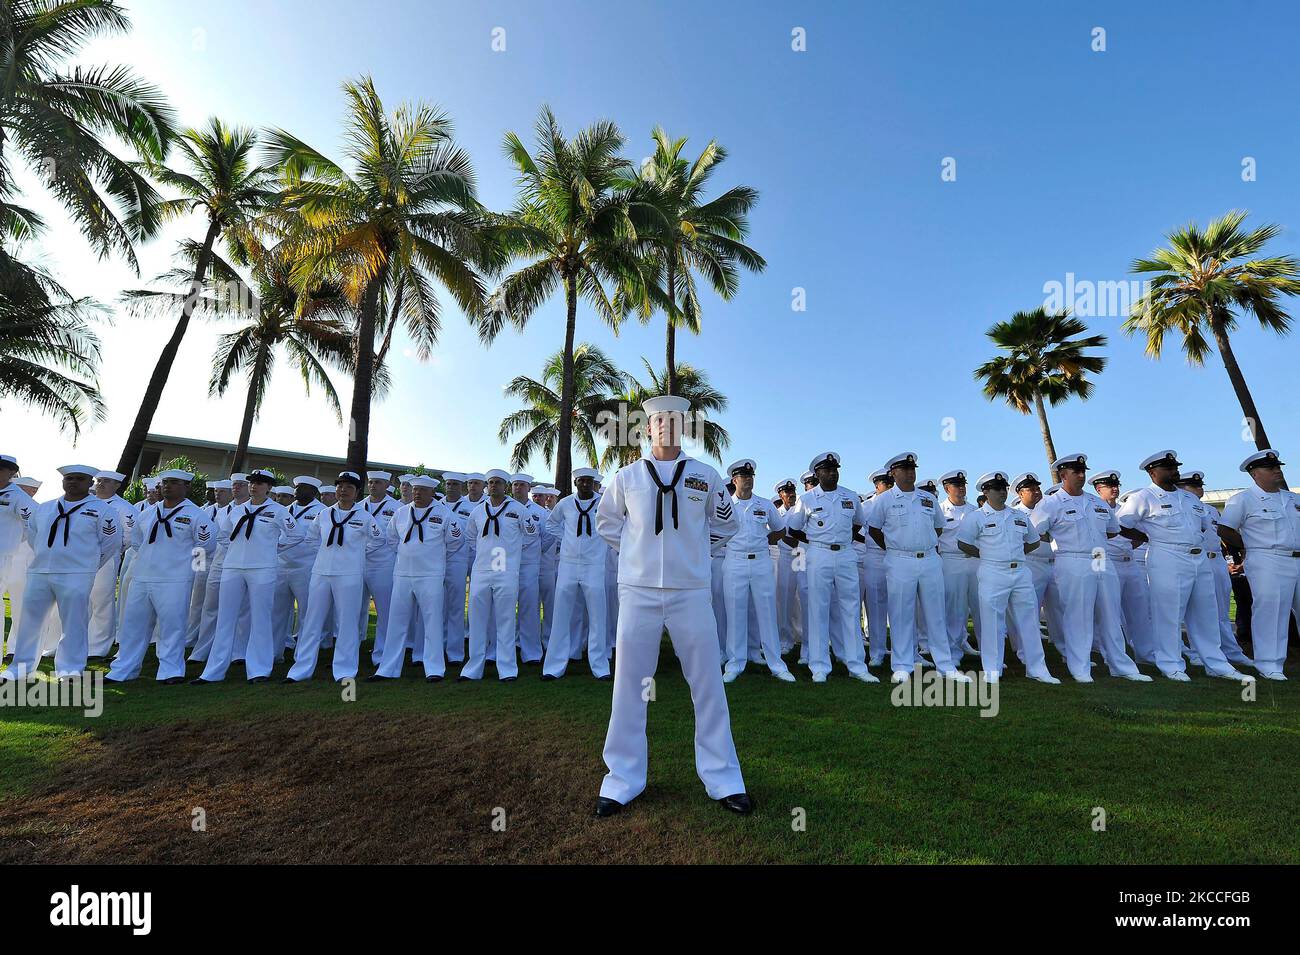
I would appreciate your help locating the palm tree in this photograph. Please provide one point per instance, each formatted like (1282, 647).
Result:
(232, 190)
(403, 218)
(46, 340)
(56, 120)
(595, 381)
(693, 385)
(1044, 361)
(687, 235)
(571, 226)
(1202, 282)
(309, 329)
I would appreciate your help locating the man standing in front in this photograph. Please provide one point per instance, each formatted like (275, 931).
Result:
(104, 608)
(659, 514)
(581, 576)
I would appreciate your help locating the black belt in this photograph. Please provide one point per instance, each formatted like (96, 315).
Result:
(66, 518)
(665, 490)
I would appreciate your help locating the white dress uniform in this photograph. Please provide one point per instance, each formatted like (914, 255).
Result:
(420, 535)
(1182, 585)
(1269, 525)
(293, 583)
(827, 518)
(875, 595)
(910, 522)
(212, 593)
(530, 582)
(581, 576)
(14, 552)
(378, 583)
(1077, 526)
(659, 516)
(337, 577)
(1218, 563)
(1134, 595)
(71, 540)
(200, 586)
(459, 549)
(1006, 585)
(961, 588)
(748, 580)
(548, 577)
(787, 597)
(256, 532)
(718, 590)
(499, 531)
(170, 542)
(104, 609)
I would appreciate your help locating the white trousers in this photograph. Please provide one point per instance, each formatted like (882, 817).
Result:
(13, 581)
(194, 618)
(746, 580)
(799, 568)
(1275, 594)
(1007, 593)
(102, 629)
(1108, 623)
(875, 595)
(644, 613)
(164, 604)
(422, 596)
(585, 581)
(1135, 607)
(529, 616)
(1182, 588)
(1223, 597)
(961, 597)
(833, 582)
(718, 598)
(453, 609)
(211, 606)
(547, 578)
(915, 581)
(292, 588)
(340, 594)
(378, 586)
(495, 594)
(257, 586)
(1088, 590)
(70, 593)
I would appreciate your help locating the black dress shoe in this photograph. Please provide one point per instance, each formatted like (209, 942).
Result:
(607, 807)
(462, 679)
(604, 679)
(173, 680)
(433, 679)
(376, 678)
(288, 679)
(549, 676)
(508, 679)
(258, 679)
(199, 681)
(739, 803)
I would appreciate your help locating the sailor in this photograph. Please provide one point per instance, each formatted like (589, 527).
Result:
(293, 585)
(787, 602)
(1001, 537)
(125, 574)
(22, 560)
(581, 577)
(499, 524)
(103, 596)
(659, 514)
(875, 586)
(406, 487)
(283, 494)
(456, 578)
(1134, 596)
(530, 570)
(799, 567)
(960, 573)
(219, 497)
(172, 538)
(545, 497)
(1264, 521)
(1042, 566)
(212, 596)
(379, 562)
(13, 546)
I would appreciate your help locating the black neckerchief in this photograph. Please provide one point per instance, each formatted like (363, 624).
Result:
(164, 521)
(494, 520)
(247, 518)
(305, 509)
(379, 506)
(417, 524)
(66, 518)
(338, 528)
(665, 490)
(584, 517)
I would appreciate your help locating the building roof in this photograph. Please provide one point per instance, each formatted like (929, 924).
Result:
(254, 452)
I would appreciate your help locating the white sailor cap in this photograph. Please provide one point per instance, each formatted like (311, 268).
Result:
(421, 480)
(453, 476)
(177, 474)
(282, 489)
(117, 476)
(991, 477)
(808, 478)
(902, 459)
(30, 482)
(1072, 461)
(1025, 478)
(378, 476)
(219, 485)
(85, 469)
(879, 474)
(824, 457)
(10, 460)
(349, 477)
(307, 479)
(150, 483)
(476, 476)
(742, 465)
(261, 476)
(665, 403)
(498, 473)
(956, 475)
(1109, 476)
(405, 478)
(1194, 476)
(784, 482)
(521, 476)
(1164, 458)
(1268, 458)
(928, 482)
(586, 472)
(239, 476)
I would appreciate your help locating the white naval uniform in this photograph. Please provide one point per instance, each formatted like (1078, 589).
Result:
(1042, 567)
(71, 541)
(529, 621)
(1269, 525)
(581, 575)
(498, 532)
(1214, 556)
(659, 516)
(337, 578)
(460, 549)
(170, 542)
(15, 554)
(910, 522)
(293, 583)
(1077, 526)
(1182, 585)
(104, 609)
(200, 586)
(256, 533)
(961, 588)
(787, 593)
(212, 592)
(378, 583)
(875, 595)
(1134, 595)
(1006, 584)
(548, 578)
(420, 535)
(717, 592)
(748, 582)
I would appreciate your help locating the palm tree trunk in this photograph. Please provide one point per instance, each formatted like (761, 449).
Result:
(162, 370)
(1248, 409)
(670, 358)
(363, 380)
(1047, 436)
(255, 385)
(564, 438)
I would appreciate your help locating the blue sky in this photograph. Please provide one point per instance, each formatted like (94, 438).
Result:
(1067, 161)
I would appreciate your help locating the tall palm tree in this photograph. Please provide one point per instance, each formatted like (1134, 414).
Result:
(309, 329)
(688, 235)
(49, 356)
(693, 385)
(1044, 361)
(223, 181)
(57, 119)
(571, 227)
(1202, 282)
(404, 217)
(595, 381)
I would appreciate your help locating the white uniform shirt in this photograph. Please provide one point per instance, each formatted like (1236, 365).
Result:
(1265, 520)
(346, 537)
(72, 538)
(457, 543)
(168, 539)
(1117, 548)
(827, 517)
(302, 555)
(999, 535)
(573, 523)
(382, 512)
(1171, 518)
(1075, 525)
(501, 526)
(531, 551)
(257, 533)
(953, 515)
(755, 519)
(636, 519)
(420, 535)
(15, 508)
(910, 520)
